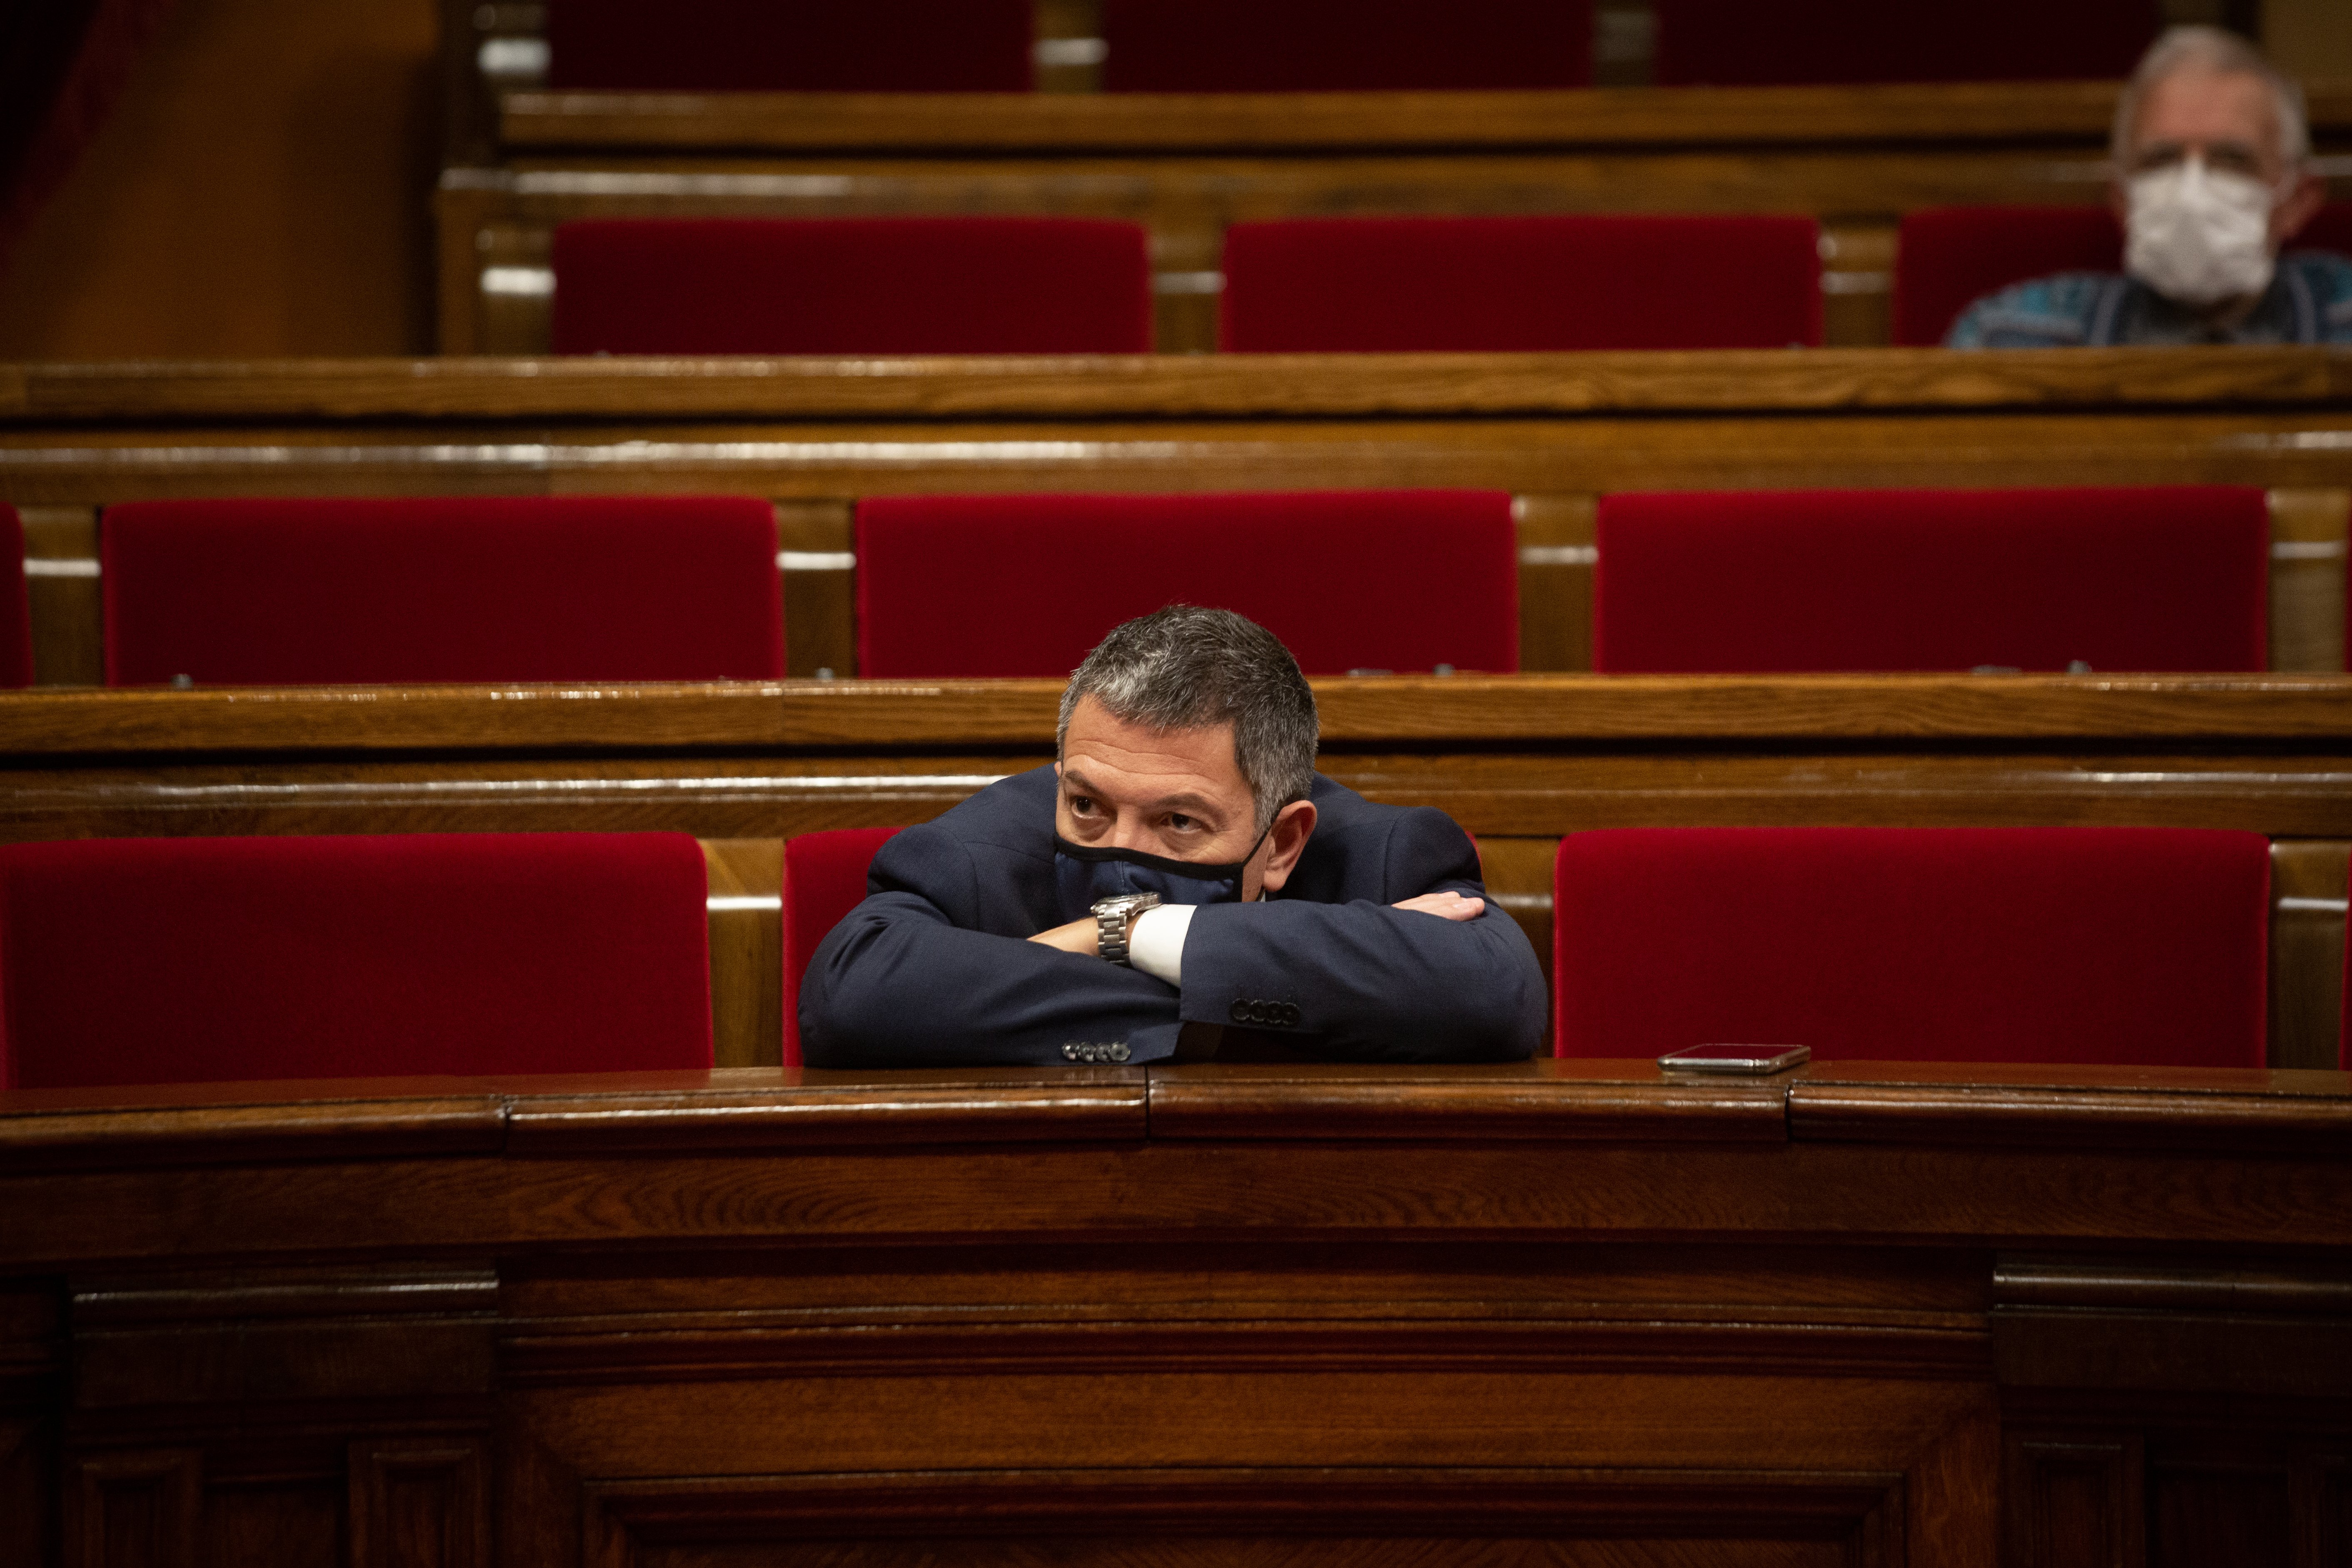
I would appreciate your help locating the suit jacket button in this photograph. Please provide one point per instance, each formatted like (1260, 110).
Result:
(1119, 1052)
(1070, 1053)
(1242, 1013)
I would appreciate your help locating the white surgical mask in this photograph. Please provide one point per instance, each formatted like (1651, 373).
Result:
(2197, 237)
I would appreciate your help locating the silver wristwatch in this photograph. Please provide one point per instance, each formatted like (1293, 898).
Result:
(1114, 918)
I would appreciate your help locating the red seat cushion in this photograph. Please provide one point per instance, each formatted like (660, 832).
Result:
(345, 592)
(191, 960)
(824, 878)
(1362, 45)
(2331, 230)
(1744, 42)
(2157, 579)
(790, 45)
(1330, 285)
(16, 611)
(1025, 585)
(852, 285)
(2120, 945)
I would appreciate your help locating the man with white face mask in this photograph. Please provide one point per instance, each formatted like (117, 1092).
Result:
(2213, 177)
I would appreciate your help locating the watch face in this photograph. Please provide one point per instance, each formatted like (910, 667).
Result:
(1122, 902)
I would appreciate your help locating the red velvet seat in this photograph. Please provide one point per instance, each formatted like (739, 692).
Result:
(790, 45)
(1361, 46)
(347, 592)
(191, 960)
(1471, 284)
(16, 610)
(1947, 258)
(824, 878)
(1024, 586)
(2113, 945)
(2156, 579)
(852, 285)
(1757, 43)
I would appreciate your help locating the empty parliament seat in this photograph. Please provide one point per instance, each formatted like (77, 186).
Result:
(1795, 42)
(2148, 579)
(1361, 46)
(195, 960)
(824, 878)
(1947, 258)
(15, 612)
(790, 45)
(2101, 945)
(852, 285)
(972, 587)
(1504, 284)
(268, 591)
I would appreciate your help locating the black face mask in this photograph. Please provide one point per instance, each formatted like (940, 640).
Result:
(1083, 875)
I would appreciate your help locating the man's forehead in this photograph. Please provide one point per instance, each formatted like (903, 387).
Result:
(2195, 103)
(1099, 742)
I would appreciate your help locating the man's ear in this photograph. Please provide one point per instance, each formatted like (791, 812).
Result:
(1286, 842)
(2301, 205)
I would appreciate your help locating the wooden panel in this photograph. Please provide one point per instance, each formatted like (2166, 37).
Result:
(2308, 885)
(292, 1522)
(134, 1509)
(2218, 1518)
(2308, 534)
(64, 595)
(418, 1503)
(746, 877)
(1556, 563)
(2077, 1503)
(1997, 112)
(814, 539)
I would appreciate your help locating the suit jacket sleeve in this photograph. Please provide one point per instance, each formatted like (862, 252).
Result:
(1371, 983)
(907, 980)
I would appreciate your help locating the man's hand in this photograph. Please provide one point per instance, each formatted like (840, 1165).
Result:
(1447, 906)
(1082, 937)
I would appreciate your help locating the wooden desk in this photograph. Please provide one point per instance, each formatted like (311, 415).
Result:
(1555, 429)
(1559, 1312)
(1516, 761)
(1189, 164)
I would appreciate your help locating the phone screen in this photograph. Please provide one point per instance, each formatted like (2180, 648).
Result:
(1735, 1059)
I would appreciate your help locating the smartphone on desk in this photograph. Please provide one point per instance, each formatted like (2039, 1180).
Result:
(1755, 1060)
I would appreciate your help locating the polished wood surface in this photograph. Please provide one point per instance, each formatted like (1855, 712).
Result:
(2077, 113)
(1563, 1312)
(641, 389)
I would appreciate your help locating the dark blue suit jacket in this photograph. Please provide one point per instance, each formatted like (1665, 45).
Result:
(934, 969)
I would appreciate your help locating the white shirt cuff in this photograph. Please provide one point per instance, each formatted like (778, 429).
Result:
(1155, 942)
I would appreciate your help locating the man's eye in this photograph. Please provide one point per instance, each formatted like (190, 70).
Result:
(1181, 823)
(1081, 806)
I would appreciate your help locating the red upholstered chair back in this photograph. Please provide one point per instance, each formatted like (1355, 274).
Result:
(852, 285)
(1352, 46)
(1504, 284)
(790, 45)
(2113, 945)
(1024, 586)
(16, 609)
(2155, 579)
(193, 960)
(345, 592)
(1947, 258)
(824, 878)
(1750, 42)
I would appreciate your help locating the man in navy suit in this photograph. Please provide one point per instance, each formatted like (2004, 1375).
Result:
(1181, 870)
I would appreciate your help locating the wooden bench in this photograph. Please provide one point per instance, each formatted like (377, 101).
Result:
(1555, 429)
(1516, 761)
(519, 159)
(1566, 1311)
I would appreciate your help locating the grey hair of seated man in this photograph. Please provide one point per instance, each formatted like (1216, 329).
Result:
(2214, 52)
(1185, 668)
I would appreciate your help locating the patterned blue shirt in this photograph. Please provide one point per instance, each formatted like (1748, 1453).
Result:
(2309, 301)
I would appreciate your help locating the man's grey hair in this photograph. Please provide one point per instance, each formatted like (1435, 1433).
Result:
(2215, 52)
(1185, 668)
